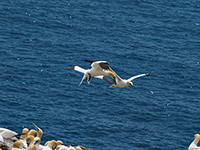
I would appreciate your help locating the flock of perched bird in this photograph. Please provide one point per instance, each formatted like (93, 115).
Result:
(100, 69)
(30, 140)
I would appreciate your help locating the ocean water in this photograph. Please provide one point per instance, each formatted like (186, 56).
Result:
(40, 38)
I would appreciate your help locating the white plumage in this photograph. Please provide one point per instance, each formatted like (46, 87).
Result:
(119, 82)
(99, 69)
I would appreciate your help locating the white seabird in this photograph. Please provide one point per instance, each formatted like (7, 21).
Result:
(9, 136)
(99, 69)
(51, 145)
(193, 145)
(30, 140)
(24, 136)
(32, 132)
(37, 139)
(63, 147)
(18, 145)
(38, 130)
(119, 82)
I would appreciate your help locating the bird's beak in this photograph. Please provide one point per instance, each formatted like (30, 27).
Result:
(69, 68)
(36, 128)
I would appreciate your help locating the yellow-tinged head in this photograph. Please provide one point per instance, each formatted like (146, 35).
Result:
(30, 140)
(39, 131)
(18, 144)
(32, 132)
(47, 143)
(52, 144)
(25, 131)
(196, 136)
(78, 148)
(59, 142)
(129, 83)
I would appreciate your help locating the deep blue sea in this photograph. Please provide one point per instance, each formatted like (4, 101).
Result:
(40, 38)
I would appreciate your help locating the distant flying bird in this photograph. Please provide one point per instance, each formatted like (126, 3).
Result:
(118, 82)
(99, 70)
(193, 145)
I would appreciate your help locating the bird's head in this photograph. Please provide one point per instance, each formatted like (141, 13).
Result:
(196, 136)
(129, 83)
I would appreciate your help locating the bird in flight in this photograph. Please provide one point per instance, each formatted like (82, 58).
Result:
(119, 82)
(99, 70)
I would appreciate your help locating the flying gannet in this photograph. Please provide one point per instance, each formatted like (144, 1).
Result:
(118, 82)
(193, 145)
(99, 69)
(123, 82)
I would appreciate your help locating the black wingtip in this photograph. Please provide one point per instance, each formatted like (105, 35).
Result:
(147, 74)
(90, 61)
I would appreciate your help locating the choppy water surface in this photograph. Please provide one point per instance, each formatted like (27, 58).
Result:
(40, 38)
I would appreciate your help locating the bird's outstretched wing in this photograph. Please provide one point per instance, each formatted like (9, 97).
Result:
(140, 75)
